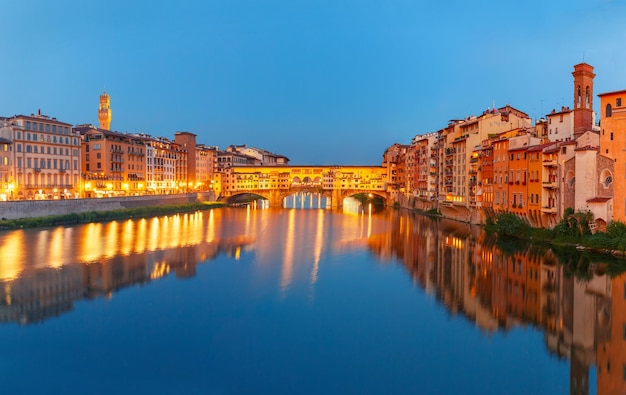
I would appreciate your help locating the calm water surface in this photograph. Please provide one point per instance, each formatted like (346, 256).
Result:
(245, 301)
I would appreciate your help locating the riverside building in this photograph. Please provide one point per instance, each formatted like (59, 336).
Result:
(39, 158)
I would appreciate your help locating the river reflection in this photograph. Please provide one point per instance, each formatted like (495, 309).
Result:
(577, 301)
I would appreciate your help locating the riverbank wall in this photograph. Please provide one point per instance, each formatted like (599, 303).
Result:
(44, 208)
(448, 210)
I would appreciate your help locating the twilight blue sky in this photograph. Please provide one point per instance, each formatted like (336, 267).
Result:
(322, 82)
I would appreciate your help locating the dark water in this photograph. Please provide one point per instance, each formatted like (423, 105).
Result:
(245, 301)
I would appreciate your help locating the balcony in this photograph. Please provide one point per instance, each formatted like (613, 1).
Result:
(549, 209)
(549, 162)
(549, 184)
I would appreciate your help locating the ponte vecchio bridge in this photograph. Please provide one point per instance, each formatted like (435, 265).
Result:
(275, 183)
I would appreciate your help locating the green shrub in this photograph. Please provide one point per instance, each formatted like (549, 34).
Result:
(509, 225)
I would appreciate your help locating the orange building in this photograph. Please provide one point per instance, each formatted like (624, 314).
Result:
(486, 175)
(501, 174)
(114, 164)
(612, 143)
(395, 160)
(535, 168)
(518, 176)
(550, 181)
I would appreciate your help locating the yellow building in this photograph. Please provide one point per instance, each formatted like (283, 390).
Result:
(277, 182)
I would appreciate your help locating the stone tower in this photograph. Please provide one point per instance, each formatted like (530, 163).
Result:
(104, 112)
(583, 98)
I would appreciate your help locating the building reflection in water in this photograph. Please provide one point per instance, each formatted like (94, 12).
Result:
(568, 295)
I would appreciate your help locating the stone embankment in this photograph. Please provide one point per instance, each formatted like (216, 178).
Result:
(44, 208)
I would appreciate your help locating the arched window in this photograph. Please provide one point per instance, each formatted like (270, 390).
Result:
(579, 96)
(609, 110)
(587, 97)
(606, 178)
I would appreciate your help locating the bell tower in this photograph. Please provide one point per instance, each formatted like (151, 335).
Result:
(583, 98)
(104, 112)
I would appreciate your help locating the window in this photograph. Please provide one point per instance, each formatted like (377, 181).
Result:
(19, 148)
(96, 146)
(27, 125)
(564, 150)
(609, 110)
(618, 102)
(611, 136)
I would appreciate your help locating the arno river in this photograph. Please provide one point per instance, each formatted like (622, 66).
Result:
(304, 301)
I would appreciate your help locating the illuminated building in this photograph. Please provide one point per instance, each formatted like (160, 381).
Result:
(535, 186)
(104, 111)
(395, 161)
(518, 171)
(114, 164)
(276, 182)
(46, 158)
(166, 166)
(206, 167)
(421, 171)
(459, 177)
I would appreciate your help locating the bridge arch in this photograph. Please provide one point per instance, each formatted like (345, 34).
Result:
(244, 197)
(376, 197)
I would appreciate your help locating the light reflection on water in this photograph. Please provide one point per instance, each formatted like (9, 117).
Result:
(261, 263)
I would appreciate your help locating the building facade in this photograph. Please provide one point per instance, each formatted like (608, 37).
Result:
(40, 158)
